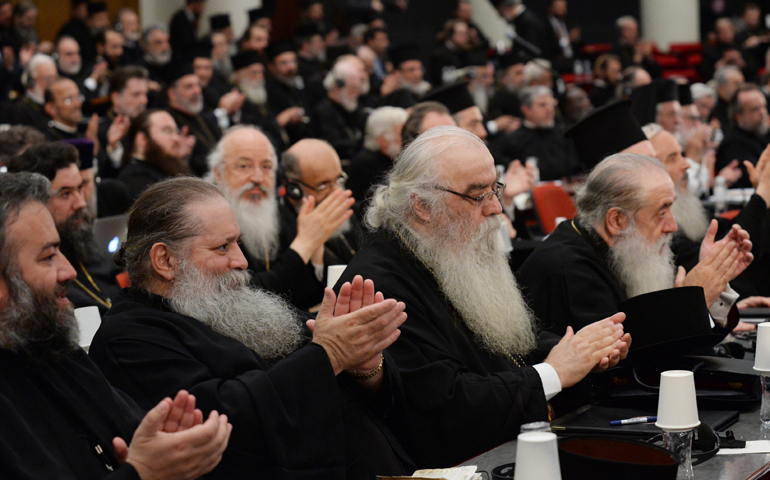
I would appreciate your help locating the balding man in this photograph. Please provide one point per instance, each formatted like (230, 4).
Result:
(312, 169)
(423, 117)
(279, 248)
(39, 73)
(470, 355)
(619, 246)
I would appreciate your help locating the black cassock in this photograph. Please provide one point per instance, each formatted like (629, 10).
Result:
(55, 413)
(567, 280)
(291, 420)
(459, 399)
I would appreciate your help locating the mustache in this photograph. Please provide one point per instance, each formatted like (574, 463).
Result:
(251, 186)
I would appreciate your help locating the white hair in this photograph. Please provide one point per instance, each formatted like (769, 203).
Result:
(216, 159)
(381, 122)
(700, 90)
(625, 20)
(342, 69)
(536, 69)
(36, 61)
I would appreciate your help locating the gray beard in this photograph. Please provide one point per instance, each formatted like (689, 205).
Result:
(480, 98)
(77, 241)
(642, 268)
(473, 272)
(255, 92)
(36, 325)
(260, 320)
(691, 218)
(258, 221)
(419, 89)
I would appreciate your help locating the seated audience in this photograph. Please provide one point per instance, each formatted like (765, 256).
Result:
(423, 117)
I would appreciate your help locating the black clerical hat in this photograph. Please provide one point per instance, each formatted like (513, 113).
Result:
(668, 323)
(178, 70)
(85, 151)
(600, 458)
(605, 131)
(96, 7)
(454, 96)
(476, 58)
(245, 59)
(277, 48)
(513, 58)
(402, 53)
(202, 49)
(77, 3)
(307, 30)
(257, 13)
(685, 96)
(304, 4)
(219, 21)
(646, 98)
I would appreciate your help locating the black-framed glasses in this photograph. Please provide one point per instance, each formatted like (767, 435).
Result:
(321, 187)
(497, 191)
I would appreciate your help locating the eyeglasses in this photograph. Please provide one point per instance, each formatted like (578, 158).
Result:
(68, 101)
(321, 187)
(497, 191)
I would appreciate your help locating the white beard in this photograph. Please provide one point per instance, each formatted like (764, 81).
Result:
(690, 216)
(473, 272)
(348, 103)
(260, 320)
(255, 92)
(71, 69)
(480, 98)
(258, 221)
(641, 267)
(419, 89)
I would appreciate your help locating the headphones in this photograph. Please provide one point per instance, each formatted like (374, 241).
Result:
(289, 188)
(332, 80)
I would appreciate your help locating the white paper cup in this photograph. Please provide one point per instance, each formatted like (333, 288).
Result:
(537, 457)
(677, 407)
(88, 323)
(333, 274)
(762, 356)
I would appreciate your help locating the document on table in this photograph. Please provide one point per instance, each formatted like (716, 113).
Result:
(457, 473)
(752, 446)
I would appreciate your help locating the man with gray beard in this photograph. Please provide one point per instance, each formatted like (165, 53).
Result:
(474, 367)
(618, 247)
(190, 319)
(96, 283)
(284, 248)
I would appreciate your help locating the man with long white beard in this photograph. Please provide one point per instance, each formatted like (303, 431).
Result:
(282, 250)
(618, 247)
(297, 401)
(55, 401)
(473, 365)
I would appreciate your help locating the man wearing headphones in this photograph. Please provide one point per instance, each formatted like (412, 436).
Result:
(28, 108)
(284, 252)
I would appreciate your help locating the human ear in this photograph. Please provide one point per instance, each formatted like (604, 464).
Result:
(163, 262)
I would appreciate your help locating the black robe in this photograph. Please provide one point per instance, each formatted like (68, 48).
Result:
(280, 97)
(740, 145)
(289, 419)
(182, 35)
(555, 154)
(567, 280)
(24, 111)
(55, 413)
(460, 399)
(96, 278)
(206, 131)
(344, 130)
(138, 175)
(368, 168)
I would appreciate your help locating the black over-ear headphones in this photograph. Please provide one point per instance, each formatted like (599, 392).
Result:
(289, 188)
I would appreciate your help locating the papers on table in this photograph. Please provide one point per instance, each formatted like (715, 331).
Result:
(457, 473)
(752, 446)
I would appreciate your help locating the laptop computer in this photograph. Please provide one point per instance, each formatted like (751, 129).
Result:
(109, 233)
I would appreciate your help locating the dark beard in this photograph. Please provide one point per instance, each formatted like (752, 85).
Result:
(77, 240)
(35, 325)
(163, 161)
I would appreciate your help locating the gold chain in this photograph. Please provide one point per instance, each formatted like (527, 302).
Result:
(104, 301)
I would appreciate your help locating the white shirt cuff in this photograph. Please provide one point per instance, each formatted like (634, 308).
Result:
(721, 307)
(492, 127)
(222, 119)
(116, 156)
(550, 380)
(90, 84)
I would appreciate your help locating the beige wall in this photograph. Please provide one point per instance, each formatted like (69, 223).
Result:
(670, 21)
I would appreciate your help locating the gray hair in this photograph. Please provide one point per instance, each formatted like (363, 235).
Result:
(625, 20)
(614, 183)
(216, 159)
(528, 95)
(536, 69)
(150, 30)
(700, 90)
(162, 215)
(36, 61)
(414, 174)
(721, 76)
(381, 122)
(16, 190)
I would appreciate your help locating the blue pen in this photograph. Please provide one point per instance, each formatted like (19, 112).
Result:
(633, 421)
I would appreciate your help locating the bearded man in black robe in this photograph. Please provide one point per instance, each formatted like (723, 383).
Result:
(473, 365)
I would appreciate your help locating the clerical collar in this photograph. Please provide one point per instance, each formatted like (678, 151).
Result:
(533, 126)
(63, 127)
(35, 98)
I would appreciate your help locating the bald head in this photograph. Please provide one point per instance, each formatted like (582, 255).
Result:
(315, 165)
